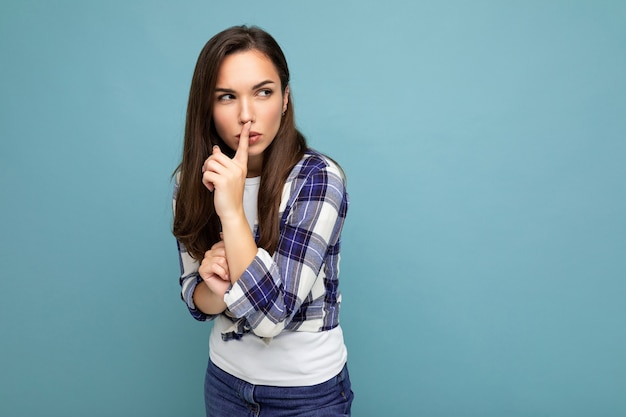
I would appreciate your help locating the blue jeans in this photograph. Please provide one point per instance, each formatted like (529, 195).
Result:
(228, 396)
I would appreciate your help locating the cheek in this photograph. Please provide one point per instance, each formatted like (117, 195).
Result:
(273, 115)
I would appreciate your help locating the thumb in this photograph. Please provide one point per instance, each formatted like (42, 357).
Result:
(241, 155)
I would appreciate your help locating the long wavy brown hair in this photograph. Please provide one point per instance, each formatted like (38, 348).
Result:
(196, 224)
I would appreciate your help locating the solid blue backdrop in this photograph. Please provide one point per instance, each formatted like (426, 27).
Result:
(484, 258)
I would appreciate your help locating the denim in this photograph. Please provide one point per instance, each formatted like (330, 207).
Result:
(228, 396)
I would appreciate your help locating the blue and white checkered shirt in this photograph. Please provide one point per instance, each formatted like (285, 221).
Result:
(296, 289)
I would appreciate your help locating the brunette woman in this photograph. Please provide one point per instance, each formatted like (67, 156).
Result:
(258, 220)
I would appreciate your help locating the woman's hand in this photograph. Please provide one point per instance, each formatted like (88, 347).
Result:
(214, 269)
(226, 177)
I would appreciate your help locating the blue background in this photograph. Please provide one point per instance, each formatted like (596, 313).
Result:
(484, 257)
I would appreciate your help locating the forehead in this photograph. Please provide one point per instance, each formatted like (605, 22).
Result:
(246, 68)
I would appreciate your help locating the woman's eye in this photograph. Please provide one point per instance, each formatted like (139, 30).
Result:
(225, 97)
(265, 92)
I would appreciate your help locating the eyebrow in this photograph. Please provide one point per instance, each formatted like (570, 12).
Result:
(254, 87)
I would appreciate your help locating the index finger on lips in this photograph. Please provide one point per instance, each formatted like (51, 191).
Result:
(242, 149)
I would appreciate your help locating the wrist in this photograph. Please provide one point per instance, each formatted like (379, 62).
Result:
(233, 218)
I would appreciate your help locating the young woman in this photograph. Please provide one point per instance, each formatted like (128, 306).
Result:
(258, 220)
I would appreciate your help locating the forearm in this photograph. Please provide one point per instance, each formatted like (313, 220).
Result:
(240, 245)
(207, 301)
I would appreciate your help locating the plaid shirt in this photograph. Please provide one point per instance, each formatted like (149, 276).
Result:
(296, 289)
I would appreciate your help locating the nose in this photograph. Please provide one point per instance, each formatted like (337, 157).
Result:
(246, 111)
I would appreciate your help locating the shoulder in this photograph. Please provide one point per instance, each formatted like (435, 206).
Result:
(317, 179)
(316, 164)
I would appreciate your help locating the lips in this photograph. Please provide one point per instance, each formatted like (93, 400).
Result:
(252, 137)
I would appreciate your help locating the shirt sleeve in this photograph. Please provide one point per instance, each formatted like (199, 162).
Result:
(189, 279)
(271, 290)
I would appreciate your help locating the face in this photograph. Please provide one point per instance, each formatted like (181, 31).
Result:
(248, 88)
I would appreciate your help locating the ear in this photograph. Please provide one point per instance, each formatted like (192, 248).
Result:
(285, 99)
